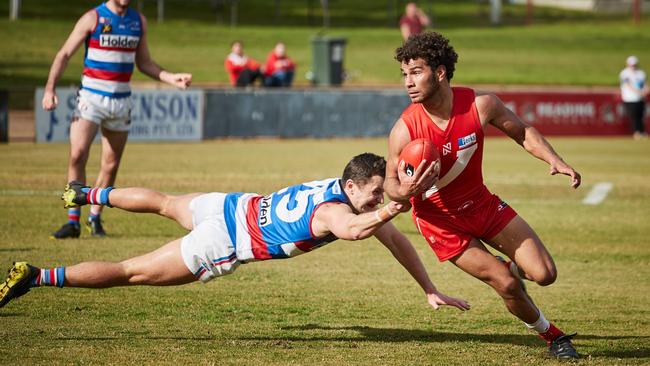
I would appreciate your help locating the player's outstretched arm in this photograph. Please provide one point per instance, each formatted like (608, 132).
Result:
(76, 38)
(150, 68)
(406, 255)
(492, 110)
(338, 219)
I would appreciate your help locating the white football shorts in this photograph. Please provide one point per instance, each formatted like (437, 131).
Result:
(207, 250)
(111, 113)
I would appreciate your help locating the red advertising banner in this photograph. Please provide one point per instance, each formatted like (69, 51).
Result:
(570, 113)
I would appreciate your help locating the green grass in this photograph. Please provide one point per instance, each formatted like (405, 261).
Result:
(560, 48)
(347, 303)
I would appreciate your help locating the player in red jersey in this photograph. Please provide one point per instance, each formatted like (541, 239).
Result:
(453, 210)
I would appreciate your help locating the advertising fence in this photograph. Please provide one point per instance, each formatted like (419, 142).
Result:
(570, 113)
(163, 115)
(157, 115)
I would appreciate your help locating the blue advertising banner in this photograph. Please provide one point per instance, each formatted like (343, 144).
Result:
(157, 115)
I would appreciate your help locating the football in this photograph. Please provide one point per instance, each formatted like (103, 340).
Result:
(416, 151)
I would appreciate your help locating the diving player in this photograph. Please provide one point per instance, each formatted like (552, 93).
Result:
(236, 228)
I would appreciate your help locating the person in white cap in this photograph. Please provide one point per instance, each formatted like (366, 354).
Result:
(634, 90)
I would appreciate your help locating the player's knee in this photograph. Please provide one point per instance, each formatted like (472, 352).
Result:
(168, 206)
(136, 274)
(547, 277)
(141, 278)
(110, 166)
(78, 157)
(508, 287)
(543, 275)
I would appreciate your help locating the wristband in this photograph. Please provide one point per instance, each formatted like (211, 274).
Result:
(384, 214)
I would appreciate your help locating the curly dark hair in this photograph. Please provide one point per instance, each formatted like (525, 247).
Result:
(363, 167)
(432, 47)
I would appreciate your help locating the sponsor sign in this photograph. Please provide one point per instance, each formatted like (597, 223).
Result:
(466, 141)
(118, 41)
(157, 115)
(265, 211)
(569, 113)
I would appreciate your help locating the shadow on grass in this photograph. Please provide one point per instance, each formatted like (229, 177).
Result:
(16, 249)
(8, 315)
(391, 335)
(396, 335)
(624, 353)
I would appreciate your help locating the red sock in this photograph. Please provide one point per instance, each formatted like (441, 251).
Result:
(551, 334)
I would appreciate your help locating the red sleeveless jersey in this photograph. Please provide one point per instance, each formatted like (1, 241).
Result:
(460, 145)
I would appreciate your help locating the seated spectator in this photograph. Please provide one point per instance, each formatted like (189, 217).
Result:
(242, 69)
(279, 68)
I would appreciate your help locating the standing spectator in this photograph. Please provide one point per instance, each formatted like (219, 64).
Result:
(413, 21)
(115, 40)
(634, 90)
(242, 69)
(279, 68)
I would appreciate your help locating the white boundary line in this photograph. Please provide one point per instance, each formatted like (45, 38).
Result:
(598, 193)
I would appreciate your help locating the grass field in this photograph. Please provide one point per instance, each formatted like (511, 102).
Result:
(347, 303)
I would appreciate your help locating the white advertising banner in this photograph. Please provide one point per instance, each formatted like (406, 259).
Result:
(157, 115)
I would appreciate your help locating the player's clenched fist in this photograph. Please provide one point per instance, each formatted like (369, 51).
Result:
(50, 100)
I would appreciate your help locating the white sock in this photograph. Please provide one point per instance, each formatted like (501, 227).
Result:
(541, 325)
(95, 210)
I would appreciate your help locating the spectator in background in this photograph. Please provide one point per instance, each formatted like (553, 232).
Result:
(413, 21)
(279, 68)
(634, 90)
(242, 69)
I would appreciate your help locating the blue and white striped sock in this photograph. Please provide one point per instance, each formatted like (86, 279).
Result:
(97, 196)
(49, 277)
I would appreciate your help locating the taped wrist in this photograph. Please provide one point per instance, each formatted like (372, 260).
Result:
(384, 214)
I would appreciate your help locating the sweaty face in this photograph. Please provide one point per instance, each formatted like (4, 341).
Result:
(366, 197)
(419, 80)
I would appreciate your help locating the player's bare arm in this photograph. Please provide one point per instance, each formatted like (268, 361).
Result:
(150, 68)
(399, 186)
(84, 26)
(340, 220)
(491, 110)
(406, 255)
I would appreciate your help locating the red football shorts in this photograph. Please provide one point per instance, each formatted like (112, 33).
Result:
(450, 234)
